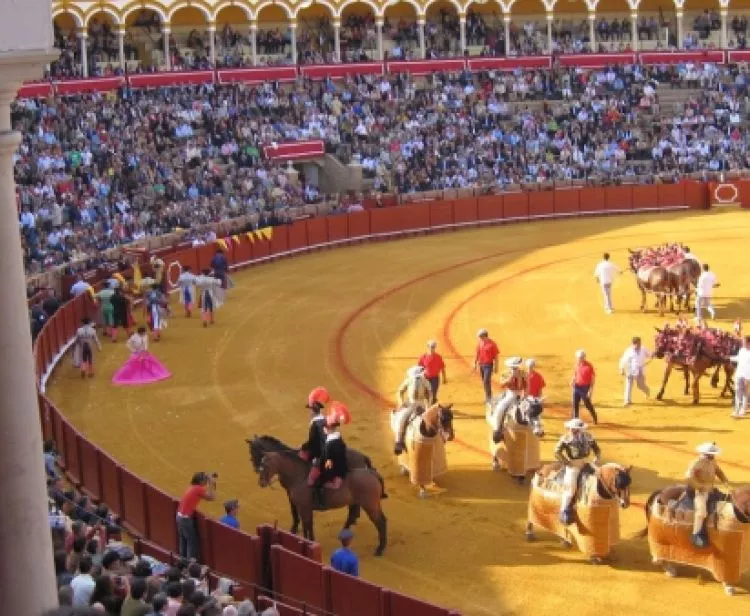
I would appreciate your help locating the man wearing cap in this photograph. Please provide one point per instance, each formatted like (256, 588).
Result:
(344, 560)
(231, 507)
(486, 360)
(574, 450)
(701, 476)
(633, 361)
(434, 368)
(333, 463)
(583, 385)
(415, 394)
(515, 386)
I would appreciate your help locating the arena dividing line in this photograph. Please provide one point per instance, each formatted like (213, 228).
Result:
(338, 342)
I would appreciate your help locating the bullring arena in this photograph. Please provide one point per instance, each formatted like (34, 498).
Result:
(354, 319)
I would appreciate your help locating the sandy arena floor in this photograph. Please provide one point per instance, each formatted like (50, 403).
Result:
(355, 319)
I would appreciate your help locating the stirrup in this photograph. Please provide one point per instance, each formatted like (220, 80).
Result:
(700, 540)
(399, 448)
(567, 516)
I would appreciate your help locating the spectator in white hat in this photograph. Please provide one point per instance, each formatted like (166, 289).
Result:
(434, 367)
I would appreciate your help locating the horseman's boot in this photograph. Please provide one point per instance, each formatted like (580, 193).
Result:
(700, 540)
(400, 446)
(318, 497)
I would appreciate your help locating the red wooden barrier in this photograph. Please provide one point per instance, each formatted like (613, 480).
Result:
(618, 197)
(567, 200)
(696, 195)
(72, 455)
(516, 205)
(111, 487)
(402, 605)
(542, 203)
(279, 241)
(235, 554)
(153, 550)
(645, 197)
(591, 199)
(204, 255)
(317, 230)
(298, 577)
(134, 516)
(386, 220)
(351, 596)
(161, 510)
(671, 195)
(297, 235)
(490, 207)
(57, 429)
(91, 478)
(261, 247)
(465, 210)
(744, 196)
(441, 213)
(359, 224)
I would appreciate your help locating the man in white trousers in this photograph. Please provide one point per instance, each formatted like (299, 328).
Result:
(633, 361)
(742, 379)
(605, 273)
(704, 292)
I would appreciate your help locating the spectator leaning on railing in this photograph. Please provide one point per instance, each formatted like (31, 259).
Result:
(202, 487)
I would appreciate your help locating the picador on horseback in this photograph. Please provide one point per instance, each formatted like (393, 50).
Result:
(573, 450)
(333, 457)
(514, 384)
(701, 476)
(414, 393)
(311, 450)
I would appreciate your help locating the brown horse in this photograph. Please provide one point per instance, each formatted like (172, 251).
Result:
(685, 277)
(361, 489)
(670, 499)
(696, 368)
(656, 280)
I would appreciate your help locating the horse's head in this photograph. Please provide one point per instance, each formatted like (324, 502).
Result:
(633, 258)
(616, 482)
(446, 421)
(531, 410)
(267, 469)
(260, 445)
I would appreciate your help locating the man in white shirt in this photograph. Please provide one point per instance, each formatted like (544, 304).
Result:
(83, 584)
(690, 256)
(632, 363)
(80, 287)
(742, 379)
(705, 290)
(605, 273)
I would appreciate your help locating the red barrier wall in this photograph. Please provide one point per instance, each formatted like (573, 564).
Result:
(441, 213)
(465, 210)
(133, 503)
(542, 203)
(298, 577)
(350, 596)
(566, 201)
(161, 510)
(516, 205)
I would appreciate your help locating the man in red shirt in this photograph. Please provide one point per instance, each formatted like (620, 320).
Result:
(534, 380)
(202, 486)
(583, 385)
(434, 368)
(486, 360)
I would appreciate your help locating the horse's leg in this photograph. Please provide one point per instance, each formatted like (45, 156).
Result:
(665, 379)
(643, 297)
(530, 536)
(307, 523)
(686, 373)
(715, 377)
(696, 386)
(353, 516)
(295, 518)
(377, 517)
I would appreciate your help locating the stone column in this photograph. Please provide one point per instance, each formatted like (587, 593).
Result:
(293, 36)
(379, 25)
(212, 44)
(634, 30)
(506, 20)
(166, 31)
(27, 578)
(592, 32)
(84, 36)
(724, 32)
(680, 38)
(337, 40)
(550, 41)
(121, 47)
(254, 42)
(420, 30)
(462, 24)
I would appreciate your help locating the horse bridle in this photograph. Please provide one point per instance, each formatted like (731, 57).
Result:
(261, 469)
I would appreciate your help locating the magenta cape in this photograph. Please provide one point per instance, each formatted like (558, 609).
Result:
(140, 369)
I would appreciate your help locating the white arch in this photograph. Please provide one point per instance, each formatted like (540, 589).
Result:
(77, 17)
(301, 8)
(281, 5)
(468, 4)
(414, 3)
(455, 3)
(375, 8)
(151, 6)
(189, 5)
(227, 3)
(94, 11)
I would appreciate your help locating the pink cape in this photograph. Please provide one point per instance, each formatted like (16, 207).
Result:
(140, 369)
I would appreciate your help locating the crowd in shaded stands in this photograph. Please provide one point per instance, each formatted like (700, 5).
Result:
(99, 574)
(97, 171)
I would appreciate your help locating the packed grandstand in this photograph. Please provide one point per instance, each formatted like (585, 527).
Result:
(107, 163)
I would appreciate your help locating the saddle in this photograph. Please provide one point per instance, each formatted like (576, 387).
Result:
(554, 478)
(686, 503)
(319, 499)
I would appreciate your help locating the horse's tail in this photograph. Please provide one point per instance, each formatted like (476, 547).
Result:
(370, 467)
(649, 503)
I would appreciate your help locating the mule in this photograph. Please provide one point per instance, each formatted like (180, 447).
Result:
(727, 533)
(516, 445)
(360, 489)
(424, 458)
(652, 279)
(599, 495)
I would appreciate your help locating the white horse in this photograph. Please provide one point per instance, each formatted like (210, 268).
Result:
(514, 442)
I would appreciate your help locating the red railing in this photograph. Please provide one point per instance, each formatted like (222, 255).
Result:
(286, 74)
(272, 558)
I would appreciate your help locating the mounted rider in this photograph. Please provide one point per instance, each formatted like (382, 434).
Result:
(311, 450)
(415, 394)
(333, 458)
(515, 384)
(574, 450)
(701, 476)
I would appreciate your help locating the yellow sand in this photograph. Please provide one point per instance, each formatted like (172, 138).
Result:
(532, 287)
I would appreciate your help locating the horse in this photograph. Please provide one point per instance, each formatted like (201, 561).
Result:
(599, 493)
(260, 445)
(685, 276)
(424, 458)
(654, 279)
(702, 362)
(360, 489)
(669, 527)
(518, 448)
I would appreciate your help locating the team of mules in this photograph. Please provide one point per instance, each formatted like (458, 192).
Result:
(694, 363)
(673, 283)
(515, 447)
(669, 518)
(424, 458)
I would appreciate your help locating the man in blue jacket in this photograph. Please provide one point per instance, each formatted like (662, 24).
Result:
(344, 560)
